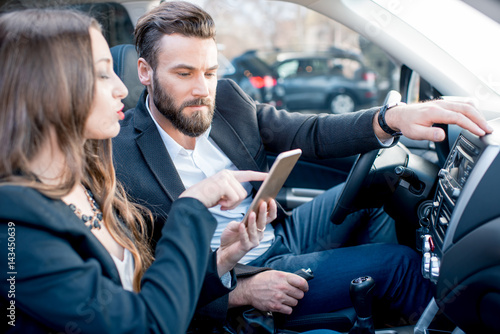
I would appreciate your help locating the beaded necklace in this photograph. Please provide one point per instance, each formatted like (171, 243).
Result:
(93, 221)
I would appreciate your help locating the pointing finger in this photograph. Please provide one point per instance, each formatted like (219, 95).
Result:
(248, 175)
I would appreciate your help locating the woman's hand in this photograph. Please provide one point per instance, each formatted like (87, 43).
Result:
(223, 188)
(237, 239)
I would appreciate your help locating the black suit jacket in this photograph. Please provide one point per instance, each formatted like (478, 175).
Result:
(63, 279)
(244, 130)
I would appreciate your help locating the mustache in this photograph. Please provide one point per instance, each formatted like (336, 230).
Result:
(197, 102)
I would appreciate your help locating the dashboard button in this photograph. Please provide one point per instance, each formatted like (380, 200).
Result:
(443, 173)
(426, 265)
(431, 244)
(434, 268)
(443, 221)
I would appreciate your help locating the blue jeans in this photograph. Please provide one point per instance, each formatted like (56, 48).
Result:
(307, 239)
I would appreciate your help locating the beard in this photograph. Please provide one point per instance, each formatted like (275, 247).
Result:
(193, 125)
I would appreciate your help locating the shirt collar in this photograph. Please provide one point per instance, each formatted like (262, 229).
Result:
(173, 148)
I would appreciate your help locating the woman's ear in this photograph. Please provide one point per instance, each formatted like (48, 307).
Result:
(145, 72)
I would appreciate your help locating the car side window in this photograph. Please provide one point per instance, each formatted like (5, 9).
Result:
(117, 26)
(346, 67)
(115, 21)
(317, 67)
(288, 68)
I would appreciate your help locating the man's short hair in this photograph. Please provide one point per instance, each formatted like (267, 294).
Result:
(170, 17)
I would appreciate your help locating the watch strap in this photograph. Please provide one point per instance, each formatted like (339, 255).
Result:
(383, 123)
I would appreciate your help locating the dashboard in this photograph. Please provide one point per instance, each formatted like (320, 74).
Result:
(461, 243)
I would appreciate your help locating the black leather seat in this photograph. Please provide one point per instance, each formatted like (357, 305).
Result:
(125, 66)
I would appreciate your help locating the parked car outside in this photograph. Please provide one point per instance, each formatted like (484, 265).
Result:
(255, 77)
(336, 80)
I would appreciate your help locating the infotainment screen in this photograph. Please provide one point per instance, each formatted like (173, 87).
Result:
(459, 167)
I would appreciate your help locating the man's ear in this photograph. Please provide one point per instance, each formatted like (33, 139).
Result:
(145, 72)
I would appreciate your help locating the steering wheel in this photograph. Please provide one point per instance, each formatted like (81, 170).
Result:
(359, 171)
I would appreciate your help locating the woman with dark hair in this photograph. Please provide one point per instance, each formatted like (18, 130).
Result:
(74, 249)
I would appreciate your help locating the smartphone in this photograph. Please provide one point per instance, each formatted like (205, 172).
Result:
(275, 180)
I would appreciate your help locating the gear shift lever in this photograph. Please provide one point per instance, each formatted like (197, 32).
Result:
(361, 291)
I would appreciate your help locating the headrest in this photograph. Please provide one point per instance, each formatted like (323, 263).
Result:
(125, 66)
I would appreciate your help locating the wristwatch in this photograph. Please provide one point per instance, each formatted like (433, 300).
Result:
(383, 123)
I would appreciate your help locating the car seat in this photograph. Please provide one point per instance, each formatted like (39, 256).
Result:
(125, 66)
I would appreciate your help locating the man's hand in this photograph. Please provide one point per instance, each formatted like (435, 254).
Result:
(223, 188)
(271, 290)
(237, 239)
(415, 120)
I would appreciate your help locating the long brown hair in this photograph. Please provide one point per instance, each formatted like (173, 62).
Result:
(47, 85)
